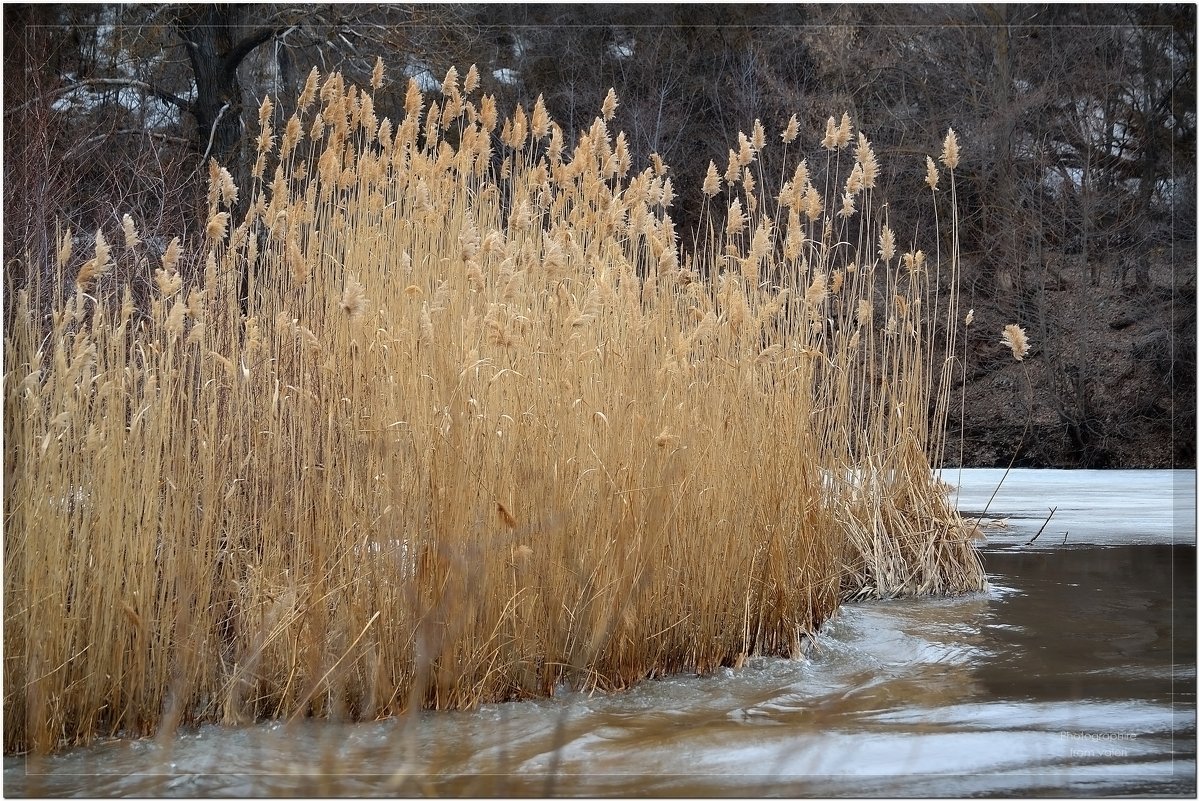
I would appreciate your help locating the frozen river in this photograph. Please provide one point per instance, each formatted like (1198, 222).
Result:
(1093, 507)
(1074, 674)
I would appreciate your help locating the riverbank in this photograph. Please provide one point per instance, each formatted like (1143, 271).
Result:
(1110, 379)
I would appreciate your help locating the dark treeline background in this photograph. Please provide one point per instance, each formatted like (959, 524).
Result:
(1076, 190)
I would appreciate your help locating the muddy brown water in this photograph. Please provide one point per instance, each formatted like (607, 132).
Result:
(1073, 675)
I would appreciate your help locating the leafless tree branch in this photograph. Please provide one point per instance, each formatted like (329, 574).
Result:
(89, 83)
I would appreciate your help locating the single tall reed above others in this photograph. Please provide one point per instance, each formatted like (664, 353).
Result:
(450, 419)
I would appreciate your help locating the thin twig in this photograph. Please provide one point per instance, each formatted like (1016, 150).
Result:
(1015, 455)
(212, 136)
(175, 140)
(1042, 528)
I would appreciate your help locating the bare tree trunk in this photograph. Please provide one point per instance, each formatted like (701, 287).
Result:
(216, 46)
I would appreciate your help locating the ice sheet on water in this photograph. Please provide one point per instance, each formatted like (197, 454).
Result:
(1093, 507)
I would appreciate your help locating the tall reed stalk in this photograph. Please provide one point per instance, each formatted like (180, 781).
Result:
(477, 428)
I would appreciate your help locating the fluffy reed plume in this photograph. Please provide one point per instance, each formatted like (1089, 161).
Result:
(867, 161)
(66, 246)
(711, 181)
(735, 223)
(508, 470)
(886, 244)
(610, 104)
(377, 74)
(949, 153)
(848, 206)
(353, 299)
(844, 132)
(218, 224)
(791, 131)
(829, 142)
(758, 137)
(96, 266)
(931, 176)
(132, 240)
(1015, 338)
